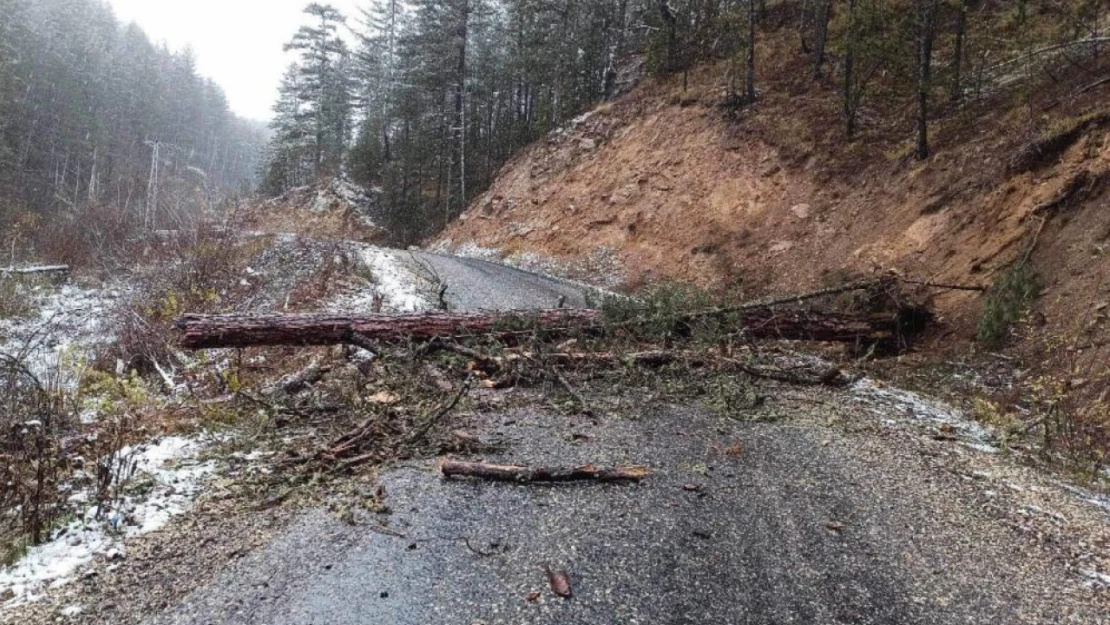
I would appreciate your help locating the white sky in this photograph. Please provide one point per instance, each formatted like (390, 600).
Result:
(237, 42)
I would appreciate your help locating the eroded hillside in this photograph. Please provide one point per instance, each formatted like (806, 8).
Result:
(773, 200)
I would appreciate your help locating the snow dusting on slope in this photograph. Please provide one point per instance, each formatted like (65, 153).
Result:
(890, 403)
(175, 477)
(70, 324)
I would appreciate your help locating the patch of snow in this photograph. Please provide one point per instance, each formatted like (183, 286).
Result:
(69, 327)
(395, 288)
(396, 283)
(1099, 501)
(176, 477)
(883, 401)
(1096, 579)
(582, 118)
(321, 204)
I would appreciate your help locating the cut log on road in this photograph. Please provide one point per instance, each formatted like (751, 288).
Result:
(886, 330)
(27, 271)
(526, 475)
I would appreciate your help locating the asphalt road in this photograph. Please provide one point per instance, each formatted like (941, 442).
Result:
(785, 521)
(474, 284)
(800, 524)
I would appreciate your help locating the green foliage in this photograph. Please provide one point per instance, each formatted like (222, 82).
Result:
(662, 311)
(312, 121)
(873, 35)
(1007, 301)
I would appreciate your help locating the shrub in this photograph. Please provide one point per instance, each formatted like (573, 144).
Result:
(1007, 301)
(36, 415)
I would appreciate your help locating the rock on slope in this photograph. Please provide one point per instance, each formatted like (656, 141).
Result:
(333, 209)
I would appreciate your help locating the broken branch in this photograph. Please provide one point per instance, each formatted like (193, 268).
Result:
(583, 405)
(527, 475)
(233, 331)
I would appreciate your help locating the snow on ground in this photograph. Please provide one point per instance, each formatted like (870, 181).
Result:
(174, 476)
(71, 322)
(889, 403)
(395, 289)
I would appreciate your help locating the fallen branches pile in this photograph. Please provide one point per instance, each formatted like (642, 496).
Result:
(405, 376)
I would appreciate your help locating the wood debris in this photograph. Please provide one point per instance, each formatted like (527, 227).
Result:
(528, 475)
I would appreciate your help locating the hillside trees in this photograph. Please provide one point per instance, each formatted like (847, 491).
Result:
(82, 101)
(441, 93)
(316, 93)
(925, 32)
(446, 90)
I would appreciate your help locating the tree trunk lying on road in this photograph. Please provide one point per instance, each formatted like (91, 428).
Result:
(216, 331)
(525, 475)
(885, 330)
(493, 365)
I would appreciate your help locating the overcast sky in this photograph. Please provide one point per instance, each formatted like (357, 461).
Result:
(237, 42)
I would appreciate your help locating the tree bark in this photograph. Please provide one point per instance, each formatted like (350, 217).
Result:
(957, 94)
(886, 330)
(926, 30)
(223, 331)
(821, 27)
(749, 85)
(462, 34)
(672, 34)
(802, 24)
(850, 105)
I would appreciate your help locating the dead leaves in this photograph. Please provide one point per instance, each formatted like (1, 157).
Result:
(559, 582)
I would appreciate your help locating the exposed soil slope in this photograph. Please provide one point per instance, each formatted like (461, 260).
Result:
(773, 200)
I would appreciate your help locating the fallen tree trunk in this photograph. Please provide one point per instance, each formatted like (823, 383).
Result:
(26, 271)
(216, 331)
(525, 475)
(885, 330)
(828, 376)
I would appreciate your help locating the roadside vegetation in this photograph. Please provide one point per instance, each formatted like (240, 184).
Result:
(1008, 302)
(75, 408)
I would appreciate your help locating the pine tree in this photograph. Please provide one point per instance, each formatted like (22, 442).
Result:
(82, 99)
(323, 87)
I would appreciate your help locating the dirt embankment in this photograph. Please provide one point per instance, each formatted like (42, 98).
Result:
(330, 210)
(773, 200)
